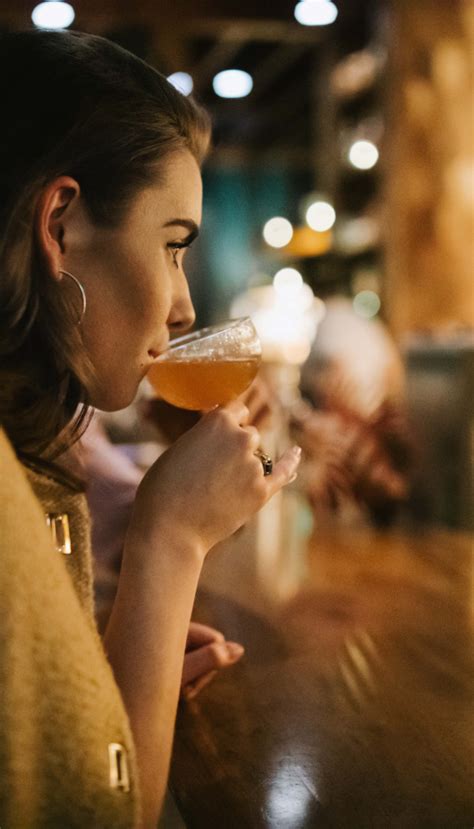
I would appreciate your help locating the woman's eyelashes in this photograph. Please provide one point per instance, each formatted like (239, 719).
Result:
(176, 247)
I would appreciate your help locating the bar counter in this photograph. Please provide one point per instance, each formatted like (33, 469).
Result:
(352, 706)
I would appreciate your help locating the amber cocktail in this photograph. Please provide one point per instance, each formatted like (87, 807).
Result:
(209, 367)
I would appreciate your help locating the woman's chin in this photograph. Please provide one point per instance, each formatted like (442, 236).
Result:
(112, 399)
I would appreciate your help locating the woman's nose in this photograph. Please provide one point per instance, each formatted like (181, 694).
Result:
(182, 325)
(182, 315)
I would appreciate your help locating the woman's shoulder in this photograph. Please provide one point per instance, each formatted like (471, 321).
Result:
(63, 510)
(27, 553)
(24, 538)
(7, 453)
(16, 497)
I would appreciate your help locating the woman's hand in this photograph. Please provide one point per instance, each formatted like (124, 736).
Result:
(206, 652)
(260, 402)
(209, 482)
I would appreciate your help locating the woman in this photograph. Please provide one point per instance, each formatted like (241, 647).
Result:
(100, 195)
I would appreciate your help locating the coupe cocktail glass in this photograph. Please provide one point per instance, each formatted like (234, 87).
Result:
(209, 367)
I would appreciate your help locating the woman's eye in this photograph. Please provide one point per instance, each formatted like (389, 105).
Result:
(175, 248)
(174, 254)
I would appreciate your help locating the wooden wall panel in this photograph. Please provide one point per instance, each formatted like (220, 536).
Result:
(430, 167)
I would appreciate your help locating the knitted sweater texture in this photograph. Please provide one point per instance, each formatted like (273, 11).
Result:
(60, 708)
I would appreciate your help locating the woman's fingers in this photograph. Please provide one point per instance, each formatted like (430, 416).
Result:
(206, 652)
(199, 634)
(253, 438)
(259, 402)
(239, 411)
(192, 689)
(261, 418)
(284, 471)
(209, 658)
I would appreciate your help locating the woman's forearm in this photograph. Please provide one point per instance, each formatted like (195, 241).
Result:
(173, 526)
(145, 642)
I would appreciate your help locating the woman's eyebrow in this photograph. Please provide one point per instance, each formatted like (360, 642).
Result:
(186, 223)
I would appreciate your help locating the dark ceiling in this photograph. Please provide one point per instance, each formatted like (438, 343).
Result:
(287, 61)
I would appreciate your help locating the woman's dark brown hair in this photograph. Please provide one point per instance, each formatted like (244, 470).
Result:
(78, 105)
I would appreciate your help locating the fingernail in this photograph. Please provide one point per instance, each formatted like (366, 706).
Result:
(234, 650)
(293, 477)
(297, 451)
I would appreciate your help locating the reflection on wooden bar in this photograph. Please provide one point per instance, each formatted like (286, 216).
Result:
(352, 705)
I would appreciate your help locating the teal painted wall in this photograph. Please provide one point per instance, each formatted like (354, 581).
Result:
(230, 251)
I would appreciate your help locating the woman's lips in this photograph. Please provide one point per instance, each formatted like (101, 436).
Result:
(155, 352)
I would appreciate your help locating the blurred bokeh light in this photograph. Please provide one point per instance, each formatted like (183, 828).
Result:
(53, 14)
(315, 12)
(182, 81)
(363, 155)
(277, 232)
(232, 83)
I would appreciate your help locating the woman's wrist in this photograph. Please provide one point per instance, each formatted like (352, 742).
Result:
(147, 545)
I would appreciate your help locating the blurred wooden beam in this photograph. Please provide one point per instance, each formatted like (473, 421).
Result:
(276, 64)
(216, 58)
(294, 157)
(282, 109)
(271, 31)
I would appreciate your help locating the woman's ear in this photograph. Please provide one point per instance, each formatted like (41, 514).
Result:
(54, 204)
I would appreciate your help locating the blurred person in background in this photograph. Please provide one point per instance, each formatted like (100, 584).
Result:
(100, 195)
(352, 423)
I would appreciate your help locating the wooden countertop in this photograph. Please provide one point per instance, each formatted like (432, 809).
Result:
(352, 706)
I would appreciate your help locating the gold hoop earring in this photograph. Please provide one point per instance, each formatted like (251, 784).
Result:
(82, 292)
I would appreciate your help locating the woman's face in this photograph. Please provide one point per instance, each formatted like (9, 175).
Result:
(133, 276)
